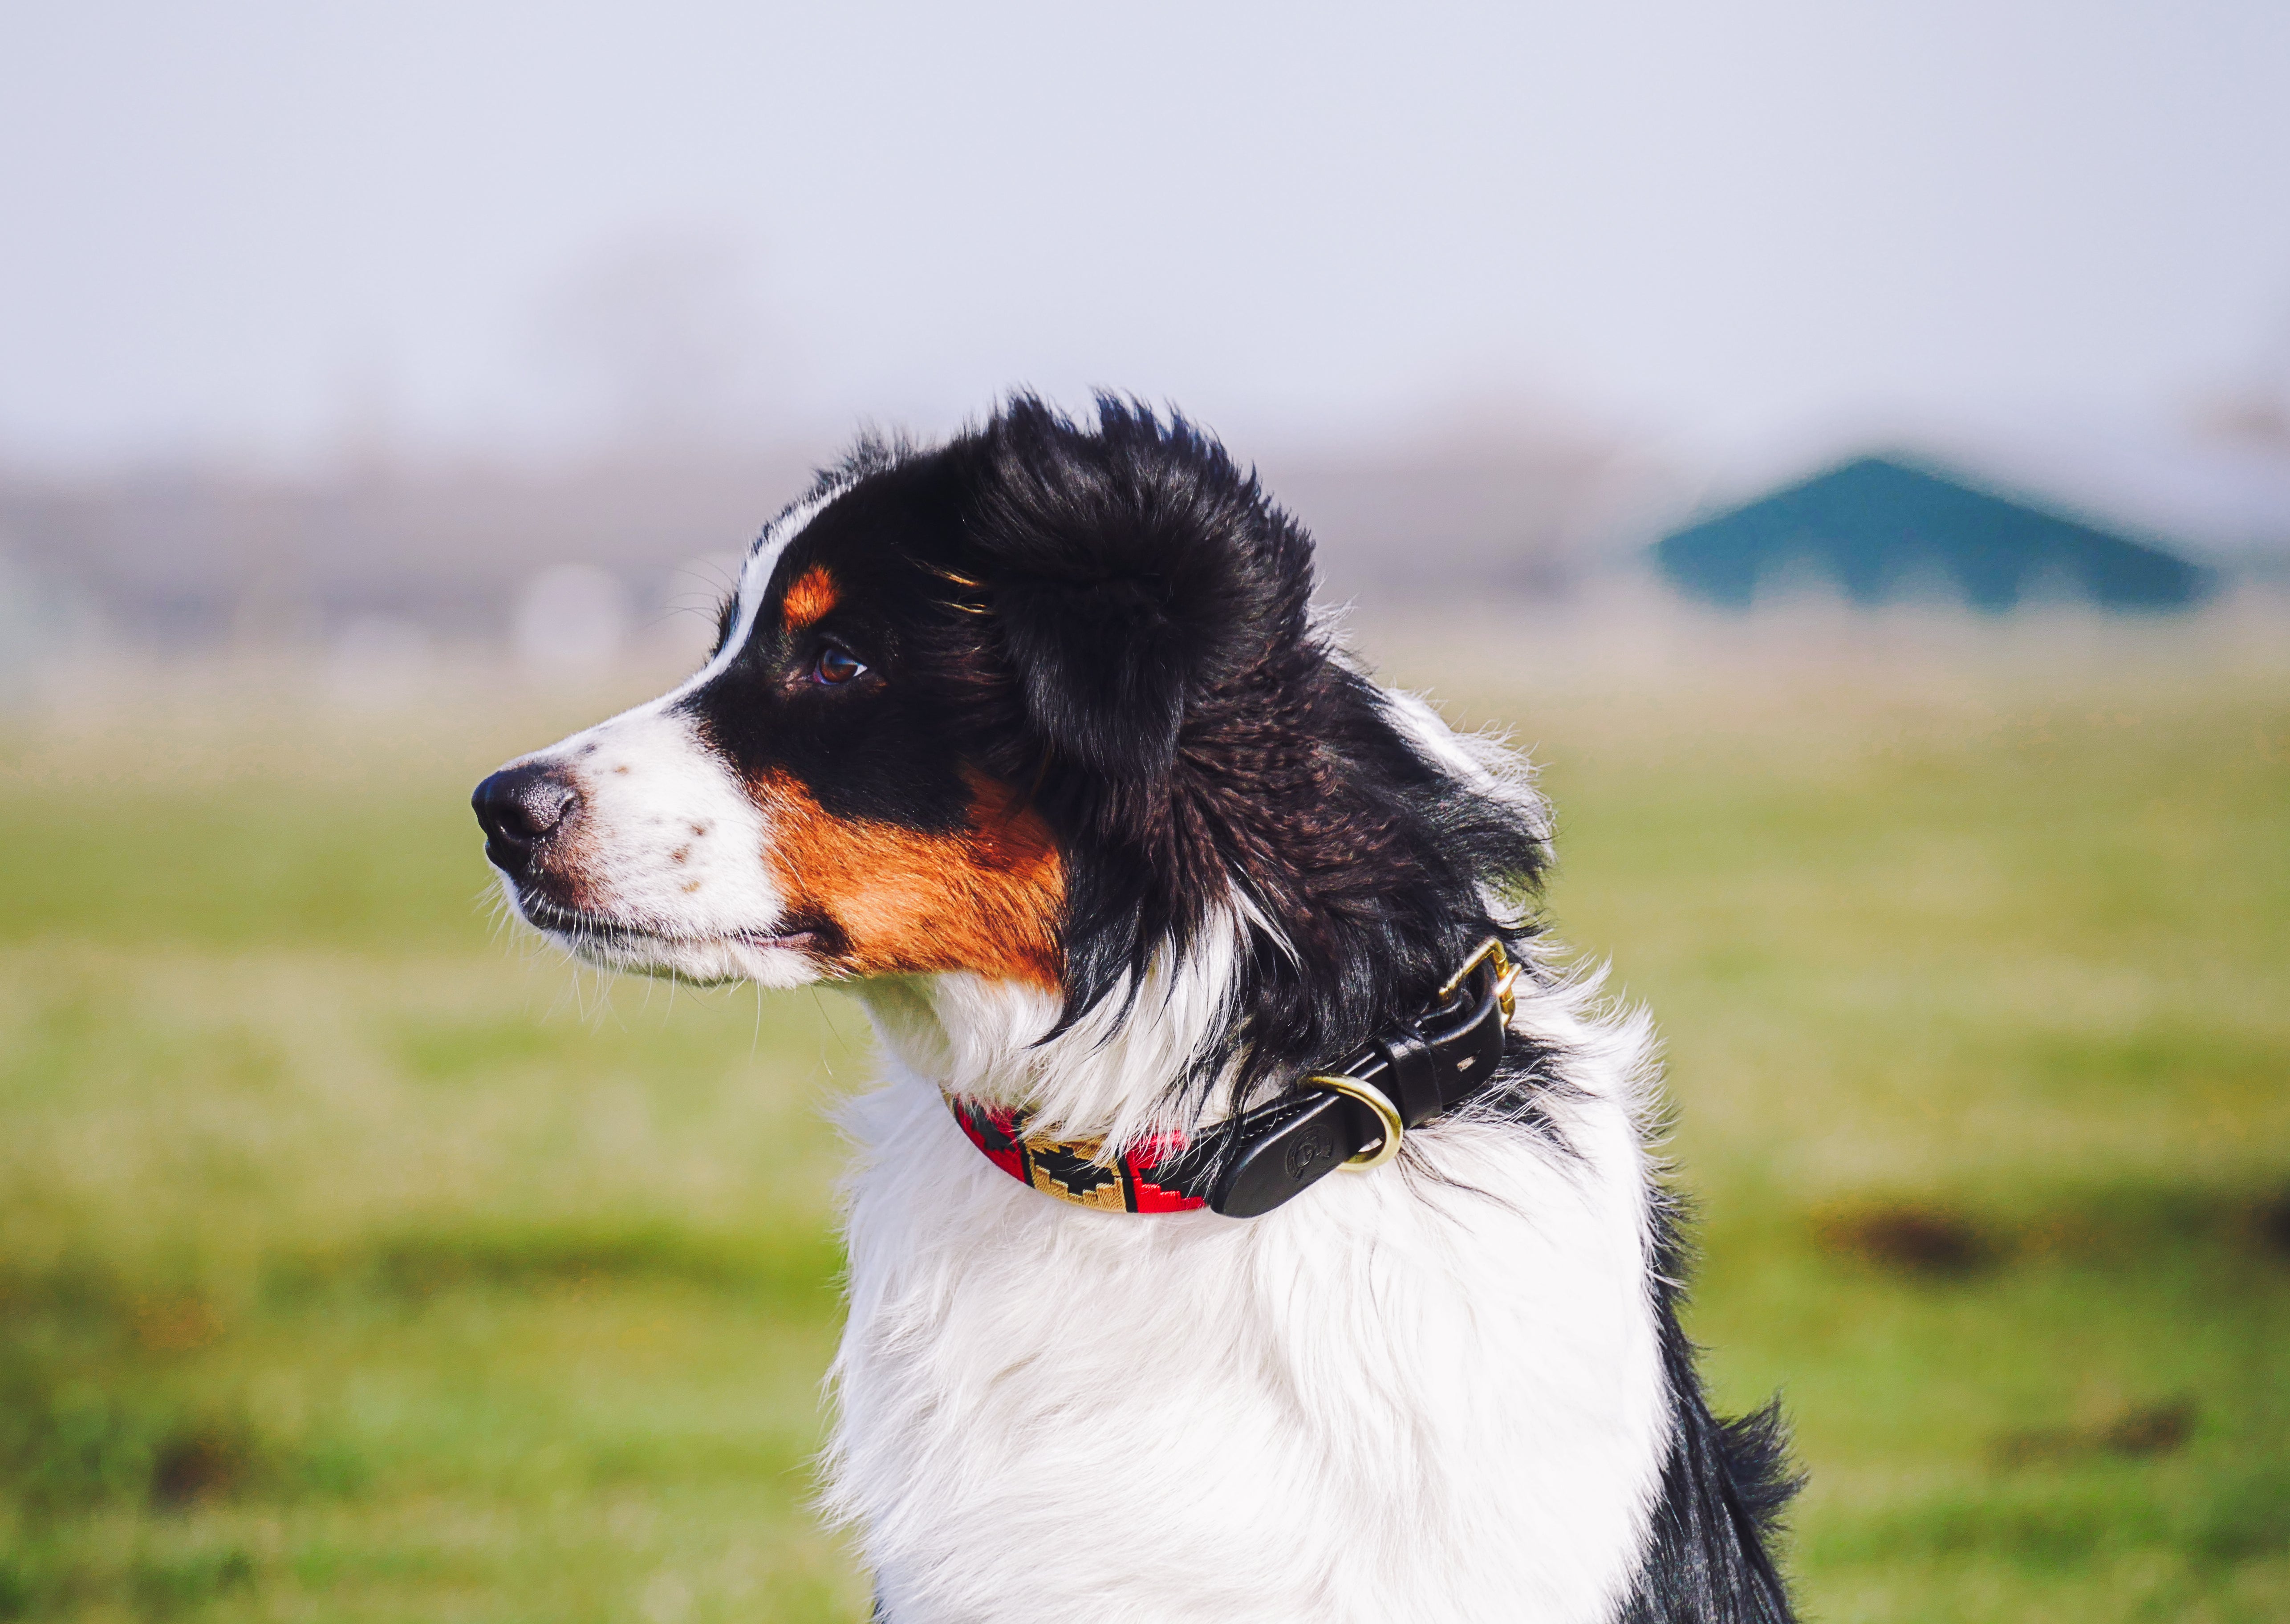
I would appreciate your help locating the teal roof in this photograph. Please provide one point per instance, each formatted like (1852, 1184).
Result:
(1881, 530)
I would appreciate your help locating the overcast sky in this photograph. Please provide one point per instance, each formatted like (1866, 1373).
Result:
(256, 229)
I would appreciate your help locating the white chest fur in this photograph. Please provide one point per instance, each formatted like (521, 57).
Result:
(1395, 1398)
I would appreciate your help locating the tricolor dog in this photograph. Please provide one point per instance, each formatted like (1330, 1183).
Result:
(1252, 1223)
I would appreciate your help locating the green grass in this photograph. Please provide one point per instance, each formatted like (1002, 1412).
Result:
(358, 1262)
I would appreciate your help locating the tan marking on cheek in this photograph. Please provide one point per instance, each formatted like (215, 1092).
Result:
(986, 900)
(808, 599)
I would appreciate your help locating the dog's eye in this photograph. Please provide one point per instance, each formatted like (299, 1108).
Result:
(834, 667)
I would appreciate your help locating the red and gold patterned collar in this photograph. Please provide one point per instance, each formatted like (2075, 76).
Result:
(1071, 1169)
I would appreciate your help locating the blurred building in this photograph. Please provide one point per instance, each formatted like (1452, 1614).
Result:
(1882, 529)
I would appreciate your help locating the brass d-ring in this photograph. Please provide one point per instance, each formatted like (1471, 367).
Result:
(1386, 1113)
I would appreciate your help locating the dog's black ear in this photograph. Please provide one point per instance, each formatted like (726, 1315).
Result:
(1131, 570)
(1103, 665)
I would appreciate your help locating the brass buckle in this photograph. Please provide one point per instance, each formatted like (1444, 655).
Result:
(1507, 975)
(1386, 1113)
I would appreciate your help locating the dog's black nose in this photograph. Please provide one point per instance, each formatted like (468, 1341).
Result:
(517, 807)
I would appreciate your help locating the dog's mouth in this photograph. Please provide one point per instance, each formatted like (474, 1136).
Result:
(587, 929)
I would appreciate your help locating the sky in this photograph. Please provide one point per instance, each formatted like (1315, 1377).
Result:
(490, 226)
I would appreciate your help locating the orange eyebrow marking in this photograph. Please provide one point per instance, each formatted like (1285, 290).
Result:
(988, 898)
(809, 597)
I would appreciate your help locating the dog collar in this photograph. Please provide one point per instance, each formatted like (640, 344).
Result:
(1074, 1169)
(1354, 1116)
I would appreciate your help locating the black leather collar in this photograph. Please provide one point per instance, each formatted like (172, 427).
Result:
(1355, 1115)
(1411, 1075)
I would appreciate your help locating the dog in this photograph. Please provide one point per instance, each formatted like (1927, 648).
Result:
(1254, 1221)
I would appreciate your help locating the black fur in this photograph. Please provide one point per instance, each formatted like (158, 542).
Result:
(1724, 1487)
(876, 749)
(1135, 572)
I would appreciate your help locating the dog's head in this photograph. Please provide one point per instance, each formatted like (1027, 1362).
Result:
(1044, 709)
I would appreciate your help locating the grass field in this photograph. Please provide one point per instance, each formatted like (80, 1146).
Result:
(358, 1262)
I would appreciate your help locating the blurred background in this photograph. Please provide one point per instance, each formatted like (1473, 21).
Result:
(1849, 446)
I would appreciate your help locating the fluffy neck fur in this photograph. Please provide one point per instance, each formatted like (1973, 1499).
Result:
(1434, 1392)
(1120, 1071)
(1451, 1390)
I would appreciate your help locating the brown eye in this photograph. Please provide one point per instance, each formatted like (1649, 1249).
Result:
(834, 668)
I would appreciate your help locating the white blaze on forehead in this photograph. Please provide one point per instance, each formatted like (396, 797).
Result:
(763, 562)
